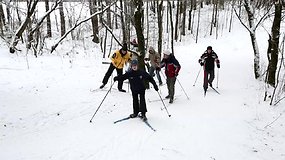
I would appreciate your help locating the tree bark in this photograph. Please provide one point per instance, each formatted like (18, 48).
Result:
(160, 26)
(252, 28)
(62, 19)
(123, 22)
(274, 44)
(49, 33)
(172, 28)
(177, 20)
(30, 11)
(94, 21)
(2, 18)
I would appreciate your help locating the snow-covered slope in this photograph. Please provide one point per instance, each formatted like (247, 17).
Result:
(45, 110)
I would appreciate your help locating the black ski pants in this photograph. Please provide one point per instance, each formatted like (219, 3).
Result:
(109, 73)
(139, 104)
(209, 76)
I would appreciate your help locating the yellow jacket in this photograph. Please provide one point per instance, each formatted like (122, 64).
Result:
(119, 60)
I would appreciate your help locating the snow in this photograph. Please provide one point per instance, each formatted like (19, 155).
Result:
(45, 109)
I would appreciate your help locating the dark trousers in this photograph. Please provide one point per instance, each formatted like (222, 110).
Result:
(109, 73)
(151, 72)
(208, 78)
(139, 104)
(170, 81)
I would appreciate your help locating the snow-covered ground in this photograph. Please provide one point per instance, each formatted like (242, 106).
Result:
(45, 110)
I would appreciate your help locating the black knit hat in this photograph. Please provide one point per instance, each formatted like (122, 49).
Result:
(209, 48)
(125, 47)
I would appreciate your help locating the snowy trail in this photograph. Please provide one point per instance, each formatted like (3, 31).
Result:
(45, 112)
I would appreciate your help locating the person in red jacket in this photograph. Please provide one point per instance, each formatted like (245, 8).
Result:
(172, 68)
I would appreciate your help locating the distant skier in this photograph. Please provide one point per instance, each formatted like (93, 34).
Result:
(136, 78)
(208, 59)
(119, 58)
(172, 68)
(154, 59)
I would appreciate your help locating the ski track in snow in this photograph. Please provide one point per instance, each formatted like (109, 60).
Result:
(45, 112)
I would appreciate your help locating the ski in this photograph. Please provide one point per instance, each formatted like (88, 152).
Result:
(215, 90)
(146, 122)
(123, 119)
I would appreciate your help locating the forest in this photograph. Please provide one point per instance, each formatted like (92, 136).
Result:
(39, 27)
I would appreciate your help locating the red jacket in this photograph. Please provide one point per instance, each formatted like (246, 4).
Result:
(172, 66)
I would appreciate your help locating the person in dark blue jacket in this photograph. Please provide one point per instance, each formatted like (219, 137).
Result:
(136, 78)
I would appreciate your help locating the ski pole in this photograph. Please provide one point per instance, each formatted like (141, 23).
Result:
(218, 78)
(163, 104)
(197, 76)
(102, 102)
(182, 88)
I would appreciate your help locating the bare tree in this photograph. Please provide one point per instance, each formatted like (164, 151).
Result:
(138, 19)
(273, 42)
(79, 23)
(94, 20)
(2, 18)
(183, 23)
(30, 10)
(62, 19)
(160, 25)
(177, 20)
(49, 33)
(171, 25)
(251, 28)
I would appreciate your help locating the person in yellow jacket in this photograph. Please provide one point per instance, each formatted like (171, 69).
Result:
(119, 58)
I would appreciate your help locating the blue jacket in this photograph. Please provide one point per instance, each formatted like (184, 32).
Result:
(136, 79)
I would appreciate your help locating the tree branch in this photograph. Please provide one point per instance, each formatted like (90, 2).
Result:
(78, 24)
(241, 21)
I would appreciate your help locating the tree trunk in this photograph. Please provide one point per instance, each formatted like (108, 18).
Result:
(62, 19)
(123, 22)
(160, 26)
(94, 20)
(250, 14)
(109, 19)
(274, 44)
(183, 27)
(177, 20)
(31, 8)
(49, 33)
(172, 28)
(2, 19)
(138, 16)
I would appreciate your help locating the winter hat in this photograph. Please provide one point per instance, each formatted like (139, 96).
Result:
(151, 49)
(166, 52)
(125, 47)
(134, 62)
(209, 48)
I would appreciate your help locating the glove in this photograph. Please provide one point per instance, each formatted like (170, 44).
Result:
(116, 78)
(157, 68)
(201, 63)
(155, 87)
(218, 65)
(176, 74)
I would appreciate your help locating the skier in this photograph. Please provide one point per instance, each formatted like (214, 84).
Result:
(207, 60)
(119, 58)
(154, 59)
(172, 68)
(136, 78)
